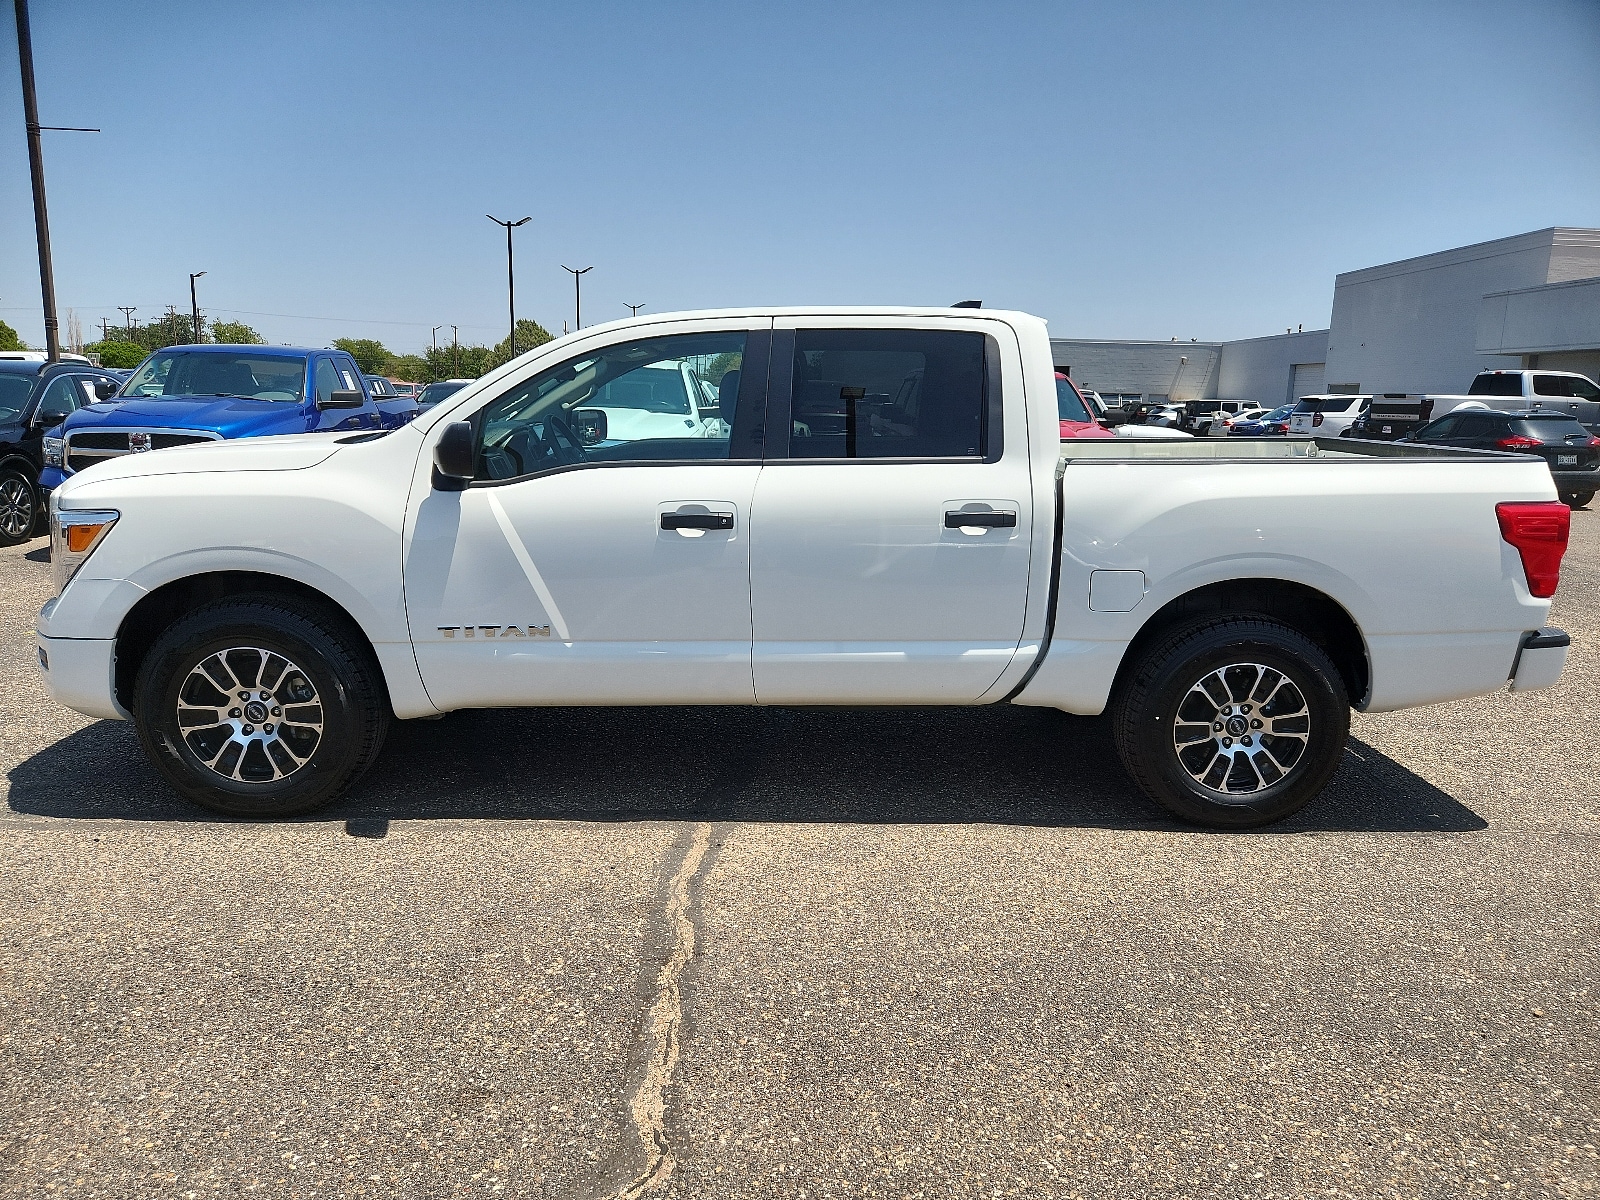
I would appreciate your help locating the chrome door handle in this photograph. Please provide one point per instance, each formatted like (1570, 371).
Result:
(980, 520)
(697, 520)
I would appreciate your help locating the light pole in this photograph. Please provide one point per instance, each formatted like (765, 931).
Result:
(436, 329)
(194, 306)
(41, 216)
(511, 277)
(633, 309)
(455, 340)
(577, 290)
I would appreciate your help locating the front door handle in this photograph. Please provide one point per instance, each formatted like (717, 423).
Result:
(697, 520)
(980, 520)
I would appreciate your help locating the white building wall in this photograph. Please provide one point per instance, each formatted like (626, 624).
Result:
(1262, 370)
(1176, 370)
(1412, 326)
(1556, 326)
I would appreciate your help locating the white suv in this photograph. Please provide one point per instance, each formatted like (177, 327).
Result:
(1326, 416)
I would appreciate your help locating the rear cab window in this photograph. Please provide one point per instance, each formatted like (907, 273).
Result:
(1496, 385)
(895, 394)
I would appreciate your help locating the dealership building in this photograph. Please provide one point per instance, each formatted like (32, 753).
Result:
(1423, 325)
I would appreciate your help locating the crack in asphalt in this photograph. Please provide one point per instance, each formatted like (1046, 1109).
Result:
(663, 1027)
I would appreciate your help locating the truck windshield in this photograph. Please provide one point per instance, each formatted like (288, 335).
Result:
(198, 373)
(1069, 405)
(14, 390)
(1496, 385)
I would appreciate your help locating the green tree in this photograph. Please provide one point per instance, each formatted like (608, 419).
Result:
(9, 339)
(409, 367)
(174, 329)
(454, 362)
(235, 333)
(529, 335)
(123, 355)
(370, 356)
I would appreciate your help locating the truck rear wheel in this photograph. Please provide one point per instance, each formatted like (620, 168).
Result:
(259, 707)
(1231, 722)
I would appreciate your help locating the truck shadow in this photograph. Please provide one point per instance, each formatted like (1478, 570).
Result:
(999, 765)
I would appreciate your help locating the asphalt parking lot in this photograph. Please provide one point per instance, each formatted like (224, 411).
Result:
(802, 953)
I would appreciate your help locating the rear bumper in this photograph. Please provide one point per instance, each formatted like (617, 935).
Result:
(81, 674)
(1576, 481)
(1540, 657)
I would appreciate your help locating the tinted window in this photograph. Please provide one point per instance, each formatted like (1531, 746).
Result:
(888, 393)
(1442, 428)
(61, 398)
(655, 400)
(14, 393)
(435, 392)
(1549, 429)
(1069, 405)
(1565, 385)
(253, 376)
(1496, 385)
(327, 379)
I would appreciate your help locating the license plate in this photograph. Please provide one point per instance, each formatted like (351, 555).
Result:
(1300, 424)
(1566, 460)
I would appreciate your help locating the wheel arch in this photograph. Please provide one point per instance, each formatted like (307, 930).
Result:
(159, 608)
(1302, 608)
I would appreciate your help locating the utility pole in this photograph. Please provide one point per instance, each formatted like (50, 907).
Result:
(436, 329)
(455, 341)
(41, 216)
(105, 330)
(633, 309)
(511, 277)
(127, 310)
(194, 306)
(577, 289)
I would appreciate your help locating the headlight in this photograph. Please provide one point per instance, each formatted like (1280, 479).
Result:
(52, 451)
(74, 534)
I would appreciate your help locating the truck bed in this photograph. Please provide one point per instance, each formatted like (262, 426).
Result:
(1257, 450)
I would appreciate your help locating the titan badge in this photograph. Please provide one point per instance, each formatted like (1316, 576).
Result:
(492, 631)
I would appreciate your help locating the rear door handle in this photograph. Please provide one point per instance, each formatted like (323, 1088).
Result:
(980, 520)
(697, 520)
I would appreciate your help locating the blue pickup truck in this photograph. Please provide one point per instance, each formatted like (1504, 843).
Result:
(211, 393)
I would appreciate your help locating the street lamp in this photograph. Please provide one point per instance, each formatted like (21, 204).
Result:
(577, 288)
(511, 277)
(194, 306)
(633, 309)
(436, 329)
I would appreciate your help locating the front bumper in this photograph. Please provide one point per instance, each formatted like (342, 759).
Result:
(1540, 657)
(81, 674)
(51, 478)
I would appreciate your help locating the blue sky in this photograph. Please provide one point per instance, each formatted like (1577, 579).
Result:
(1123, 169)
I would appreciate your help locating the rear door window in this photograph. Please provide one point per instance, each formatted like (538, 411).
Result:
(890, 393)
(1565, 385)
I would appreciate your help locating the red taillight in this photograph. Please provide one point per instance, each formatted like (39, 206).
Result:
(1539, 530)
(1317, 420)
(1517, 442)
(1594, 441)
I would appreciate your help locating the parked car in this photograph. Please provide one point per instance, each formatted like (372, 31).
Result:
(186, 394)
(1168, 415)
(435, 392)
(1570, 450)
(1077, 419)
(405, 388)
(35, 396)
(1245, 412)
(1326, 416)
(1393, 416)
(1557, 391)
(1264, 424)
(933, 541)
(394, 409)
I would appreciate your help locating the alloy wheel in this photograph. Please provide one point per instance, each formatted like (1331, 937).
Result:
(250, 715)
(16, 508)
(1241, 729)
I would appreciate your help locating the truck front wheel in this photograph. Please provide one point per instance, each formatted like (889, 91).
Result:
(1231, 722)
(259, 707)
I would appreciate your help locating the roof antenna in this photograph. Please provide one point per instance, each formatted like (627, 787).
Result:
(967, 304)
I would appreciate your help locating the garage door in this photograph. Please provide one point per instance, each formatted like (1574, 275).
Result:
(1306, 381)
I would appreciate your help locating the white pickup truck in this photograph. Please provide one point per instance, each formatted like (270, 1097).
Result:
(888, 516)
(1556, 391)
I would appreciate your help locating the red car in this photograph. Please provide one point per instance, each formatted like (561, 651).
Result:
(1077, 420)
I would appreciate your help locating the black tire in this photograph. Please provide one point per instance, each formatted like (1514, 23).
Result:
(347, 707)
(1161, 689)
(19, 507)
(1576, 499)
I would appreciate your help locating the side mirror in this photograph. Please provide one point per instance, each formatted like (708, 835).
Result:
(453, 458)
(48, 418)
(590, 425)
(342, 399)
(104, 389)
